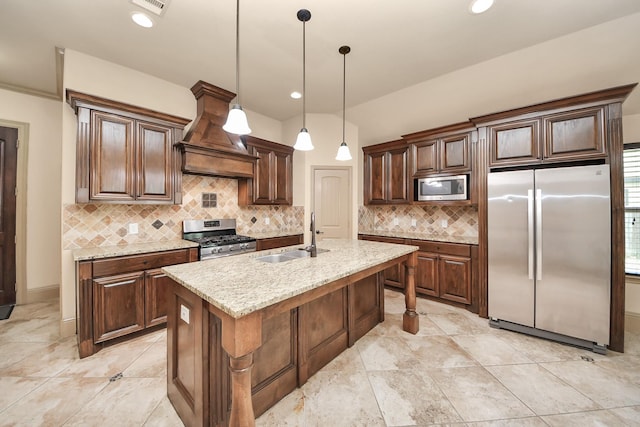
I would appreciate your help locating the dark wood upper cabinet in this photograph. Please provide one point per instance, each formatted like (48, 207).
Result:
(442, 150)
(386, 173)
(273, 179)
(124, 153)
(574, 134)
(562, 136)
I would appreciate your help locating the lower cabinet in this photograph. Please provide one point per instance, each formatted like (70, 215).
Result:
(295, 345)
(279, 242)
(445, 271)
(121, 295)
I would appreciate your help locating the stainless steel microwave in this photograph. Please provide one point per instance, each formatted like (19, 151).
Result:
(442, 188)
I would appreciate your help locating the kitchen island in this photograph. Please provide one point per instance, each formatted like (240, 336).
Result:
(243, 333)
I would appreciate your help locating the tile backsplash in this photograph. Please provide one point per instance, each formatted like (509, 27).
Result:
(96, 225)
(461, 221)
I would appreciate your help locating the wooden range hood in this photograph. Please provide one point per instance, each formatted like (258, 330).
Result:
(207, 149)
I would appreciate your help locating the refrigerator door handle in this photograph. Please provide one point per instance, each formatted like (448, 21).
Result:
(538, 234)
(530, 219)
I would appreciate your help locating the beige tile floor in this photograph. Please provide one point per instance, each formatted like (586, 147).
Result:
(456, 371)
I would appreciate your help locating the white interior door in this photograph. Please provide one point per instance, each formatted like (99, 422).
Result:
(332, 202)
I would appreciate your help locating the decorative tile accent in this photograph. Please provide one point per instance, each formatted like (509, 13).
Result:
(97, 225)
(209, 200)
(157, 224)
(462, 221)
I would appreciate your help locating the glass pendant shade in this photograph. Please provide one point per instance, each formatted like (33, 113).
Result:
(343, 152)
(303, 142)
(237, 121)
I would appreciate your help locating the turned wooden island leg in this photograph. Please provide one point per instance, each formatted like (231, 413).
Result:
(240, 338)
(410, 321)
(241, 402)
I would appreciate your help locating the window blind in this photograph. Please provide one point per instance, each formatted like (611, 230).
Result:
(631, 158)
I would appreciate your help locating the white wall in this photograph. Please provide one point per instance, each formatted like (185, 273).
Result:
(94, 76)
(566, 66)
(326, 135)
(631, 127)
(42, 147)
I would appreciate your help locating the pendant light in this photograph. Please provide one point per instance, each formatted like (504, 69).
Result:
(343, 151)
(237, 119)
(303, 142)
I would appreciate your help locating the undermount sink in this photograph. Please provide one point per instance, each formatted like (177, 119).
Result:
(289, 255)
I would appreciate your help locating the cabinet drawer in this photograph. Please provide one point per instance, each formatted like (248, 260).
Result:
(381, 239)
(131, 263)
(278, 242)
(442, 247)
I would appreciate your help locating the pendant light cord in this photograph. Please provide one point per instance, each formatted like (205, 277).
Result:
(238, 52)
(344, 90)
(304, 76)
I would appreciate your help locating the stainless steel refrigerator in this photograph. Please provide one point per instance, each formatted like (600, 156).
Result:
(549, 252)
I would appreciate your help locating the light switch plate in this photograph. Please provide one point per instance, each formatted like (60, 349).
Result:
(413, 222)
(267, 221)
(444, 223)
(133, 228)
(396, 221)
(184, 313)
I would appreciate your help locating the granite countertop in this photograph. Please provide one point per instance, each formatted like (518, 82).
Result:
(469, 240)
(272, 234)
(241, 284)
(131, 249)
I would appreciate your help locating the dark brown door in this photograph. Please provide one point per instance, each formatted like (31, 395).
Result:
(8, 166)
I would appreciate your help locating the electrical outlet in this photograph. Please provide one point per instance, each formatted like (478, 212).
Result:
(396, 221)
(267, 221)
(414, 222)
(184, 313)
(133, 228)
(444, 223)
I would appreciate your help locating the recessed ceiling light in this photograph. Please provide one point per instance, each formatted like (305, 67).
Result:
(142, 19)
(479, 6)
(296, 95)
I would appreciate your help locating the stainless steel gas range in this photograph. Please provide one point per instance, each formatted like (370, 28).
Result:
(217, 237)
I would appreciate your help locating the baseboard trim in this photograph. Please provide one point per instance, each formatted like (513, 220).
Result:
(43, 294)
(632, 322)
(67, 327)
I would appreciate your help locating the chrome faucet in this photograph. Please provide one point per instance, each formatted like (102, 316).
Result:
(312, 249)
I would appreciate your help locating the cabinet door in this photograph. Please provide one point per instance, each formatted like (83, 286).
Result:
(112, 157)
(397, 185)
(514, 143)
(118, 305)
(574, 135)
(263, 183)
(375, 178)
(427, 274)
(424, 158)
(282, 177)
(156, 286)
(454, 275)
(154, 153)
(454, 153)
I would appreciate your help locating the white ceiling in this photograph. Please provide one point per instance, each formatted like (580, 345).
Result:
(395, 44)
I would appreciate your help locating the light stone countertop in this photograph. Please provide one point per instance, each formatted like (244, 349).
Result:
(469, 240)
(272, 234)
(241, 284)
(131, 249)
